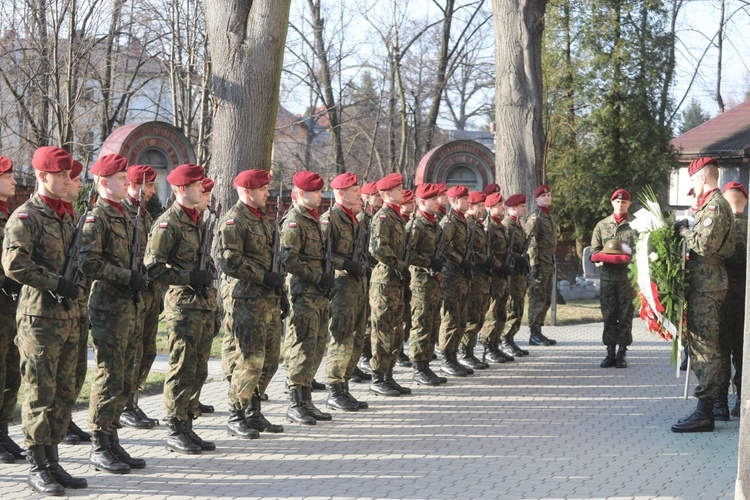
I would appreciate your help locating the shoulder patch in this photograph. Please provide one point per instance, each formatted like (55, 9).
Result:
(163, 225)
(23, 215)
(383, 216)
(230, 222)
(708, 221)
(325, 222)
(90, 218)
(533, 217)
(292, 224)
(711, 208)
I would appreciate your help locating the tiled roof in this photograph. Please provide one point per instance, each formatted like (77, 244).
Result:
(725, 136)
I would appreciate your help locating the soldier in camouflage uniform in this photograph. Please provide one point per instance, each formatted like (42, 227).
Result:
(542, 230)
(426, 265)
(142, 178)
(10, 374)
(348, 311)
(172, 260)
(479, 289)
(303, 253)
(253, 296)
(710, 242)
(732, 328)
(456, 280)
(617, 293)
(37, 237)
(516, 207)
(407, 210)
(444, 202)
(114, 307)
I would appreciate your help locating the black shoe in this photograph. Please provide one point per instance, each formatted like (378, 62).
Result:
(178, 441)
(422, 377)
(9, 445)
(311, 409)
(381, 387)
(520, 351)
(493, 354)
(468, 360)
(538, 340)
(130, 418)
(296, 412)
(58, 473)
(237, 425)
(356, 379)
(701, 420)
(195, 438)
(337, 399)
(451, 367)
(122, 455)
(441, 380)
(142, 414)
(721, 409)
(364, 365)
(684, 362)
(102, 457)
(611, 359)
(40, 478)
(621, 361)
(403, 360)
(257, 421)
(317, 386)
(395, 385)
(362, 405)
(205, 408)
(362, 375)
(506, 349)
(6, 457)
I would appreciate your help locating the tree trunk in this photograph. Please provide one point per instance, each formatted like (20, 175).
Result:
(519, 138)
(742, 484)
(247, 41)
(719, 45)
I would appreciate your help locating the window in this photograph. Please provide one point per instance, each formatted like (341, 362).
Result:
(464, 175)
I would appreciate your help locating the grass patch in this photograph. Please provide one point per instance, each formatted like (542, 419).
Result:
(573, 313)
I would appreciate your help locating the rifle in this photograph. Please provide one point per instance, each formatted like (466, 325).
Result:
(469, 253)
(361, 238)
(276, 266)
(407, 248)
(203, 250)
(327, 262)
(135, 247)
(441, 241)
(71, 255)
(509, 261)
(532, 233)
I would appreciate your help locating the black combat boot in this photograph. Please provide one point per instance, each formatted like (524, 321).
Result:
(317, 386)
(737, 402)
(362, 405)
(441, 380)
(8, 444)
(506, 349)
(237, 425)
(395, 385)
(684, 362)
(536, 337)
(6, 457)
(122, 455)
(364, 359)
(311, 409)
(421, 376)
(205, 408)
(131, 418)
(296, 411)
(621, 361)
(76, 435)
(492, 353)
(701, 420)
(359, 376)
(403, 360)
(58, 473)
(102, 457)
(257, 421)
(195, 438)
(381, 387)
(468, 360)
(451, 367)
(520, 351)
(142, 414)
(611, 358)
(337, 399)
(40, 478)
(178, 441)
(721, 408)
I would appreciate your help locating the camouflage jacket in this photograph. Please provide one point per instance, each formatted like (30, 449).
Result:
(543, 239)
(737, 263)
(456, 229)
(515, 231)
(497, 241)
(343, 235)
(34, 250)
(146, 222)
(710, 242)
(172, 253)
(302, 250)
(479, 254)
(387, 245)
(424, 241)
(367, 219)
(608, 229)
(6, 301)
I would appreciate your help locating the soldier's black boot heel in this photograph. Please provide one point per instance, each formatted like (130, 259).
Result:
(102, 458)
(701, 420)
(40, 478)
(58, 473)
(611, 358)
(178, 441)
(121, 454)
(237, 425)
(257, 421)
(337, 399)
(296, 412)
(721, 408)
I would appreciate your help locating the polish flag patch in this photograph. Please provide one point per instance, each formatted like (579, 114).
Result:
(383, 216)
(324, 222)
(90, 218)
(711, 208)
(23, 215)
(163, 225)
(292, 224)
(230, 222)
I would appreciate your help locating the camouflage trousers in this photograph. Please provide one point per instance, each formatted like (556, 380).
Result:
(348, 316)
(305, 340)
(10, 361)
(48, 349)
(516, 297)
(387, 305)
(148, 323)
(731, 338)
(82, 359)
(494, 320)
(358, 342)
(616, 298)
(703, 328)
(425, 317)
(252, 329)
(540, 294)
(187, 330)
(454, 312)
(478, 304)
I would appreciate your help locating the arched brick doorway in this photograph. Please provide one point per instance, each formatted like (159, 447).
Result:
(457, 162)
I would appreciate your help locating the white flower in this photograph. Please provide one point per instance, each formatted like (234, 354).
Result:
(645, 221)
(653, 256)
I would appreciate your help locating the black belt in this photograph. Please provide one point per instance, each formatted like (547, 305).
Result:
(711, 261)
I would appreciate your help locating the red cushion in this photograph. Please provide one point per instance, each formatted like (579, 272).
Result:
(608, 258)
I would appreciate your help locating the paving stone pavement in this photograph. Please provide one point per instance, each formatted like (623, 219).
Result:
(552, 425)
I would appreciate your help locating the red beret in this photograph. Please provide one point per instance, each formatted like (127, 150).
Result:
(208, 185)
(76, 169)
(408, 196)
(477, 197)
(442, 188)
(390, 181)
(370, 188)
(458, 192)
(515, 200)
(543, 189)
(6, 165)
(252, 179)
(491, 188)
(186, 174)
(698, 164)
(425, 191)
(344, 181)
(136, 174)
(51, 159)
(308, 181)
(493, 199)
(734, 185)
(109, 165)
(620, 194)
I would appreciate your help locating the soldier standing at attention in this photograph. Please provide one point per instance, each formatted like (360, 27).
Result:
(407, 211)
(516, 206)
(456, 281)
(142, 177)
(479, 288)
(617, 292)
(542, 231)
(710, 242)
(37, 237)
(731, 331)
(348, 312)
(172, 259)
(303, 253)
(443, 201)
(425, 270)
(114, 308)
(252, 302)
(10, 374)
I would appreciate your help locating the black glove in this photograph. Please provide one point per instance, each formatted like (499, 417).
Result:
(406, 275)
(217, 323)
(505, 270)
(11, 286)
(523, 266)
(466, 266)
(327, 280)
(200, 278)
(436, 264)
(66, 288)
(161, 305)
(369, 273)
(353, 268)
(407, 295)
(273, 280)
(137, 283)
(534, 273)
(679, 225)
(284, 305)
